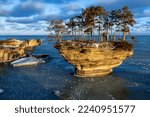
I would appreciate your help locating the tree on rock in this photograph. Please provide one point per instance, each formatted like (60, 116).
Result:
(56, 29)
(127, 20)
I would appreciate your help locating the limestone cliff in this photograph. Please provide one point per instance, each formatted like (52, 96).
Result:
(13, 49)
(94, 60)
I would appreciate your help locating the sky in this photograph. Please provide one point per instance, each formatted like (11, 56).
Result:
(28, 17)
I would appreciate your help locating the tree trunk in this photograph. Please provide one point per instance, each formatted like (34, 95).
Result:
(91, 34)
(72, 34)
(111, 37)
(99, 36)
(84, 36)
(114, 38)
(80, 33)
(124, 36)
(107, 34)
(102, 39)
(100, 33)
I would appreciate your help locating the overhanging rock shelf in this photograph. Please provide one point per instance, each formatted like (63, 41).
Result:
(95, 60)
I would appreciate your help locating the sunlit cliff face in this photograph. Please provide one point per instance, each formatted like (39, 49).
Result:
(94, 61)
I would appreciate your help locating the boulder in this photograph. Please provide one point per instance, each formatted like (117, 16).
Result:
(9, 54)
(33, 42)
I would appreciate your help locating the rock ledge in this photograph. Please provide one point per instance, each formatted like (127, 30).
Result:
(12, 49)
(98, 59)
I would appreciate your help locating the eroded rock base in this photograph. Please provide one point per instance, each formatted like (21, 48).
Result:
(92, 72)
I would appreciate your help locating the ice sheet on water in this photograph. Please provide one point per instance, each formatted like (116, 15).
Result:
(95, 88)
(134, 84)
(40, 81)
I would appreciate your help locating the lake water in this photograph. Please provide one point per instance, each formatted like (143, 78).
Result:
(129, 81)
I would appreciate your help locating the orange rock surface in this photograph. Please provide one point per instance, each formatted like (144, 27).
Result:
(94, 61)
(13, 49)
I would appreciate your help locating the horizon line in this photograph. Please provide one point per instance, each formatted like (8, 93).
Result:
(47, 35)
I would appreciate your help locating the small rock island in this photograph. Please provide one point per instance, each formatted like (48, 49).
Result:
(12, 49)
(91, 44)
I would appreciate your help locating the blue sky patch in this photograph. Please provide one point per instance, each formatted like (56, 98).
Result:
(21, 14)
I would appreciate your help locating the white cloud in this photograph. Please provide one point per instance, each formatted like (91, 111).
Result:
(33, 21)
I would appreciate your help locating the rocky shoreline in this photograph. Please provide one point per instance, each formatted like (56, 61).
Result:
(12, 49)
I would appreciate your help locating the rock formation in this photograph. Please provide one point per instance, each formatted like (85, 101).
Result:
(90, 54)
(13, 49)
(97, 59)
(19, 43)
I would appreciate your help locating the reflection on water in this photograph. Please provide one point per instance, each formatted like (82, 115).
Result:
(107, 87)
